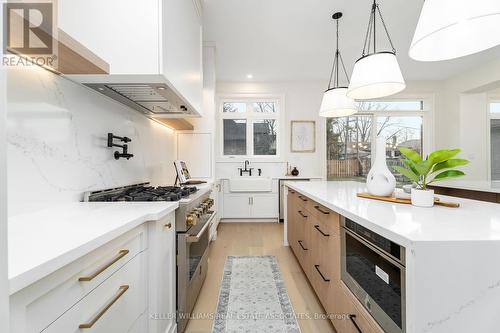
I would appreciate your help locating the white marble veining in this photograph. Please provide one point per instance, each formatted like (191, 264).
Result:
(405, 224)
(56, 136)
(452, 276)
(42, 242)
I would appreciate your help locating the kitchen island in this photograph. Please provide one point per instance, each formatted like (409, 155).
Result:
(449, 279)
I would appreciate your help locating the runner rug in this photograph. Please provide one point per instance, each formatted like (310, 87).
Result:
(253, 298)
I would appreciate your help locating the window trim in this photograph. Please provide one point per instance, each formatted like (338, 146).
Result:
(250, 117)
(427, 115)
(489, 117)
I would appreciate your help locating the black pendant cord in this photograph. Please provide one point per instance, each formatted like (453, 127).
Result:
(372, 29)
(334, 74)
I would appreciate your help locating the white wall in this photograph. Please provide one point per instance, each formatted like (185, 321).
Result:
(4, 282)
(302, 102)
(463, 117)
(56, 134)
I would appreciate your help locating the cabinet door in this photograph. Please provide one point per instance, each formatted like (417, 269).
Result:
(162, 275)
(182, 49)
(124, 33)
(236, 206)
(167, 282)
(264, 206)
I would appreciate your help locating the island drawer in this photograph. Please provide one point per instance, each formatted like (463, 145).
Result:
(114, 306)
(328, 219)
(357, 318)
(303, 202)
(46, 300)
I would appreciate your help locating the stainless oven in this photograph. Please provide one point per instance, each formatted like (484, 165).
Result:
(373, 268)
(192, 266)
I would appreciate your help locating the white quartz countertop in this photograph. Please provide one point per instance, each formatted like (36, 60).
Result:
(482, 186)
(42, 242)
(405, 224)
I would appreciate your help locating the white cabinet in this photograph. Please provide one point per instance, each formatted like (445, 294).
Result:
(264, 206)
(196, 150)
(34, 308)
(250, 205)
(126, 285)
(113, 306)
(181, 50)
(147, 41)
(237, 206)
(162, 275)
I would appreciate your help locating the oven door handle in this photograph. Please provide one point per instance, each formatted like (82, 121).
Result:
(195, 239)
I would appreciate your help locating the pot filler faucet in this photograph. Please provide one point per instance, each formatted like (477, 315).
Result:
(246, 170)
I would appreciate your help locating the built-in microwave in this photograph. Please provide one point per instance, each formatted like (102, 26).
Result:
(373, 268)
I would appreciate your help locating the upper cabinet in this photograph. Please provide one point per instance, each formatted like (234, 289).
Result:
(156, 44)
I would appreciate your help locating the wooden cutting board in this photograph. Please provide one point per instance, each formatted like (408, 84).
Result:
(406, 201)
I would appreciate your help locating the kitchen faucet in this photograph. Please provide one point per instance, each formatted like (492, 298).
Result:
(246, 170)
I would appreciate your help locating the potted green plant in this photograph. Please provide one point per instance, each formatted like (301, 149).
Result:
(438, 166)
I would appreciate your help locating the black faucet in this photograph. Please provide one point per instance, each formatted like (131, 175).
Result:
(246, 170)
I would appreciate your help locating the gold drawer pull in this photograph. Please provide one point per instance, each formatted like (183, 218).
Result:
(120, 255)
(321, 210)
(168, 225)
(120, 293)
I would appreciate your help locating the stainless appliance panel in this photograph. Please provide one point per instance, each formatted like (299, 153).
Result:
(375, 277)
(192, 266)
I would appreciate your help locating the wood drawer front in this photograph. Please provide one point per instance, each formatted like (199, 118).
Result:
(303, 243)
(326, 251)
(356, 315)
(303, 202)
(120, 306)
(35, 307)
(329, 220)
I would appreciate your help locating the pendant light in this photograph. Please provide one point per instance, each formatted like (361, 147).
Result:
(335, 102)
(449, 29)
(376, 74)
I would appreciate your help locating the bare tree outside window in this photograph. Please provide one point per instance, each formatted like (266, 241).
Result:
(261, 120)
(350, 139)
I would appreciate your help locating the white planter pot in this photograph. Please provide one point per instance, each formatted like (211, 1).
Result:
(380, 180)
(422, 198)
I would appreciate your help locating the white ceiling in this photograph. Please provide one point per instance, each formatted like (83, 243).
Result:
(283, 40)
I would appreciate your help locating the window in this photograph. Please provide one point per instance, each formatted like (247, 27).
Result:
(351, 140)
(495, 140)
(250, 128)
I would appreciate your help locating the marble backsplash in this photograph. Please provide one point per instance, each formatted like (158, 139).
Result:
(56, 136)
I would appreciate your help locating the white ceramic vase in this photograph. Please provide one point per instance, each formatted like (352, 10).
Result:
(422, 198)
(380, 180)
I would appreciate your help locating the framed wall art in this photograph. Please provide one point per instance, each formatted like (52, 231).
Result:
(303, 136)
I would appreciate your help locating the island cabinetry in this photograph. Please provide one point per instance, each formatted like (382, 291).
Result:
(314, 236)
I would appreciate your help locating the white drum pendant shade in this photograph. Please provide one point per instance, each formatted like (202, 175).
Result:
(376, 75)
(336, 103)
(449, 29)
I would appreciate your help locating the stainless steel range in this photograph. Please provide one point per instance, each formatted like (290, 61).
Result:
(193, 219)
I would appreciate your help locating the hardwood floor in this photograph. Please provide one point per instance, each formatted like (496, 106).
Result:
(243, 239)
